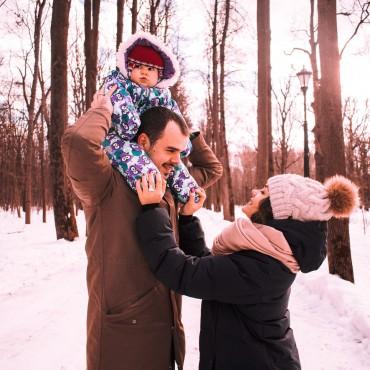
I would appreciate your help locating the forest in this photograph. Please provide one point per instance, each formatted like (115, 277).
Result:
(55, 56)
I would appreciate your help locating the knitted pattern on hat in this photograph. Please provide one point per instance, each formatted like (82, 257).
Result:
(305, 199)
(300, 198)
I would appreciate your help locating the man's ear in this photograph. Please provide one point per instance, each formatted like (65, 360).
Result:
(144, 141)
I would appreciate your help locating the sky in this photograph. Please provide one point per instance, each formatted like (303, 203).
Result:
(43, 298)
(288, 20)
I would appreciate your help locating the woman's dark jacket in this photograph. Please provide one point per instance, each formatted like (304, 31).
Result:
(245, 321)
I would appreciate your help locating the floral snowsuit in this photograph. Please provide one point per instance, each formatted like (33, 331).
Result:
(129, 102)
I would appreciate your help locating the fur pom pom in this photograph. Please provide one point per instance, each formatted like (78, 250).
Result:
(342, 194)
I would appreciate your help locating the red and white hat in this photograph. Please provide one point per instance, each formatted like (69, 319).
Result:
(146, 55)
(145, 48)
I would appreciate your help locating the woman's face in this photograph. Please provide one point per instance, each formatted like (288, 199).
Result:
(252, 206)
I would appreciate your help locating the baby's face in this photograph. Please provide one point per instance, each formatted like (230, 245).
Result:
(144, 75)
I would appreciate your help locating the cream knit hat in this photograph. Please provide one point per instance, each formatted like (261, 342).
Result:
(305, 199)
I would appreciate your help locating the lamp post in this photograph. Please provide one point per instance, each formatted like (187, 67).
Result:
(304, 77)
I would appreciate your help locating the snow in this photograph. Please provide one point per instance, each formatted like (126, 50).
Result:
(43, 301)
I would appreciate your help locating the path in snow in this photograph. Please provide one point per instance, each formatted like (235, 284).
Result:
(43, 305)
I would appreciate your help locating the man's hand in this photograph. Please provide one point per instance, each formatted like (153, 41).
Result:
(190, 206)
(151, 188)
(101, 100)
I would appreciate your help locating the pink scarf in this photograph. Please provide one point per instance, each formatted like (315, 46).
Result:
(243, 234)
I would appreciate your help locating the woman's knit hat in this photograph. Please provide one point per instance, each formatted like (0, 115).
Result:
(143, 45)
(305, 199)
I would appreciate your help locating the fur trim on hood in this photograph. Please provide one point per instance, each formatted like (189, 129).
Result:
(171, 71)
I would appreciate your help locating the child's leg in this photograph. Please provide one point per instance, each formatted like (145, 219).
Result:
(181, 182)
(128, 158)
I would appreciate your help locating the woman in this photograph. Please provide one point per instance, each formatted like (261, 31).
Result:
(245, 319)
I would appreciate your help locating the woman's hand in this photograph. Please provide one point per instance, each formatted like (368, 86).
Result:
(101, 100)
(150, 188)
(190, 206)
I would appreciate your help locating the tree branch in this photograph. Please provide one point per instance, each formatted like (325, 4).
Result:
(364, 16)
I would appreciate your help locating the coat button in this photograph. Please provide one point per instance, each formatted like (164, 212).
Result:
(134, 321)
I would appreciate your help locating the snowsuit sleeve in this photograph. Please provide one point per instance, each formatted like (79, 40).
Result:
(125, 116)
(86, 163)
(209, 277)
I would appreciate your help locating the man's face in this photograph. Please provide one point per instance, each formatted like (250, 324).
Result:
(165, 152)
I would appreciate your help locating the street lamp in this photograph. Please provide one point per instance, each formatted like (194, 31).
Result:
(304, 77)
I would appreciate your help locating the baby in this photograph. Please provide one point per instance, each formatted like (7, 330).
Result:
(145, 70)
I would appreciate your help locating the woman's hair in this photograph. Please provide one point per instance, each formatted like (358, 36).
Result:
(264, 212)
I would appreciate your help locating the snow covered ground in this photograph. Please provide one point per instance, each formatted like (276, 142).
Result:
(43, 302)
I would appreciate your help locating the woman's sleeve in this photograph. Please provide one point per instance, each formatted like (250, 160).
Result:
(191, 235)
(211, 277)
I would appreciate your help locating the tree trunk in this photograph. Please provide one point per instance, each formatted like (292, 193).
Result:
(215, 104)
(134, 13)
(339, 252)
(42, 170)
(65, 221)
(226, 182)
(39, 7)
(91, 47)
(153, 11)
(44, 119)
(120, 14)
(319, 160)
(264, 152)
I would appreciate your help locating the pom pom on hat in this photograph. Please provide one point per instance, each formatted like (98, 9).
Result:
(342, 194)
(305, 199)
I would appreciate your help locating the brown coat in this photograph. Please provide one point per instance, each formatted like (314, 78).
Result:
(133, 321)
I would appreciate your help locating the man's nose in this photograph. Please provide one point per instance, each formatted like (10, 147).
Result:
(176, 158)
(254, 192)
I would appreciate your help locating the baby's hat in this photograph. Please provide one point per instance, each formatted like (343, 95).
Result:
(305, 199)
(147, 48)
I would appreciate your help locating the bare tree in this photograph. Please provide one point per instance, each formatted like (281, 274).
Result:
(356, 126)
(226, 181)
(120, 13)
(364, 17)
(65, 222)
(91, 12)
(77, 70)
(134, 15)
(339, 252)
(264, 153)
(31, 104)
(153, 8)
(284, 107)
(312, 54)
(361, 19)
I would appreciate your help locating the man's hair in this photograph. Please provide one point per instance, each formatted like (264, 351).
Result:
(154, 122)
(264, 212)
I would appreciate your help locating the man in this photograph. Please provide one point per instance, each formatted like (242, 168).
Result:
(133, 321)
